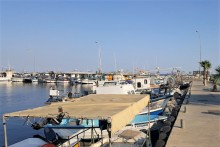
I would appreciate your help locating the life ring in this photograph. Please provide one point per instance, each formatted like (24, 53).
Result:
(48, 145)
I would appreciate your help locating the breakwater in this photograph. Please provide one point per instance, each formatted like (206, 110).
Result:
(161, 131)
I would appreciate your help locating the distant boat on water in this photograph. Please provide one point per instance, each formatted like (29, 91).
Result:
(62, 80)
(88, 81)
(50, 80)
(34, 80)
(17, 79)
(2, 79)
(27, 80)
(6, 75)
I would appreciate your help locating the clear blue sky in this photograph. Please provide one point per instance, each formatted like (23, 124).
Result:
(60, 35)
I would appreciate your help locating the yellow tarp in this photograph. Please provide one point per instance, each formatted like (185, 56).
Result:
(120, 108)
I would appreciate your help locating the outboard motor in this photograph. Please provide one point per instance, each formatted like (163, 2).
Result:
(51, 136)
(53, 121)
(177, 95)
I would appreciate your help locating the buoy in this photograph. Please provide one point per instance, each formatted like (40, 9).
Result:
(165, 129)
(167, 123)
(171, 118)
(174, 113)
(160, 143)
(177, 107)
(162, 136)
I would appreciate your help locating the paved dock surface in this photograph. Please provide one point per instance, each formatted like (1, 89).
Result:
(201, 121)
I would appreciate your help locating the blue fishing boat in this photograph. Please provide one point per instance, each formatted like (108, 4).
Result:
(140, 119)
(76, 123)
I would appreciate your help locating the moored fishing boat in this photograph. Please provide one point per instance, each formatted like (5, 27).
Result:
(17, 79)
(6, 75)
(50, 80)
(27, 80)
(116, 87)
(108, 116)
(88, 81)
(62, 80)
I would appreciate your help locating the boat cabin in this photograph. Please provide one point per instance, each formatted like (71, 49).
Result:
(142, 83)
(113, 87)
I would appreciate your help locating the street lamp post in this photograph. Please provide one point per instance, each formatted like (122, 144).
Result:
(200, 54)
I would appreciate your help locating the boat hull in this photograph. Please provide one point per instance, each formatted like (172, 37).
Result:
(17, 79)
(29, 142)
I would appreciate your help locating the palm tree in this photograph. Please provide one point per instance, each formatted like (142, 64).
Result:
(216, 78)
(218, 70)
(206, 65)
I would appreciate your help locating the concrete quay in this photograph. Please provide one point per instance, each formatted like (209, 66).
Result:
(201, 120)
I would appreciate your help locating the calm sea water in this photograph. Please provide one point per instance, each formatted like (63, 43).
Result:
(20, 96)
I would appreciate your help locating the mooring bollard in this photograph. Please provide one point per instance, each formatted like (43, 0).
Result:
(189, 95)
(182, 124)
(184, 109)
(187, 102)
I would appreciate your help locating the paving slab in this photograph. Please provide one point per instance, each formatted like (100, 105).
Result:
(201, 121)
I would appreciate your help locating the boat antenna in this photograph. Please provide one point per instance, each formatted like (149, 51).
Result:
(100, 61)
(115, 63)
(9, 66)
(34, 64)
(148, 144)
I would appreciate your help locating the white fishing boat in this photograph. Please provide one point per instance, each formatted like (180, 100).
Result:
(63, 80)
(110, 118)
(17, 79)
(3, 79)
(88, 81)
(6, 75)
(49, 80)
(115, 87)
(157, 104)
(141, 83)
(76, 80)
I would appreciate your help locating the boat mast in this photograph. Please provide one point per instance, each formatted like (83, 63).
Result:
(148, 135)
(34, 65)
(99, 61)
(157, 68)
(115, 63)
(5, 130)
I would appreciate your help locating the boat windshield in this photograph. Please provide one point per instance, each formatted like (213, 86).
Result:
(109, 83)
